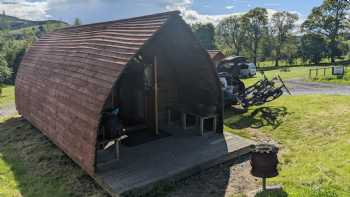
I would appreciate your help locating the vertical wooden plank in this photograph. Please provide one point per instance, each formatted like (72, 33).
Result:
(155, 67)
(112, 96)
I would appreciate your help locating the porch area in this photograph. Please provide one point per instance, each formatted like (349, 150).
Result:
(176, 154)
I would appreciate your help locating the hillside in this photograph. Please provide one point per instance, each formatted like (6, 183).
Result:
(14, 23)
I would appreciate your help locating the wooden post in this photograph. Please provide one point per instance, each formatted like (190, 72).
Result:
(201, 126)
(112, 96)
(155, 68)
(117, 150)
(324, 72)
(169, 117)
(215, 124)
(264, 184)
(310, 73)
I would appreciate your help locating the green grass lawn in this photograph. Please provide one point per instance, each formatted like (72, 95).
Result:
(313, 132)
(303, 73)
(7, 96)
(293, 73)
(31, 166)
(314, 135)
(328, 78)
(297, 61)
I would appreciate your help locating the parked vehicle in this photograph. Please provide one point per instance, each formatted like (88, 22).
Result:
(230, 86)
(238, 65)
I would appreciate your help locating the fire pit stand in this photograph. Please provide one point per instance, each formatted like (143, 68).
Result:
(264, 162)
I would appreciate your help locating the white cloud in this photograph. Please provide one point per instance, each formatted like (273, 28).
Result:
(229, 7)
(40, 9)
(37, 10)
(176, 4)
(192, 16)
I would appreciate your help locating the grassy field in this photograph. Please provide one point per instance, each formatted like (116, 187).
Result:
(31, 166)
(303, 73)
(345, 80)
(7, 95)
(293, 73)
(314, 135)
(297, 61)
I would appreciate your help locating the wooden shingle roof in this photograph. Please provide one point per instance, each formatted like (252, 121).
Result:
(66, 76)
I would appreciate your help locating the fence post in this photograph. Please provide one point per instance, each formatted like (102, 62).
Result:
(310, 73)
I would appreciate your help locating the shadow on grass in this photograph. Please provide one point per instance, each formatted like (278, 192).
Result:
(33, 166)
(259, 117)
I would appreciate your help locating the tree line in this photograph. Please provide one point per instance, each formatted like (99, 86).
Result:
(324, 34)
(13, 45)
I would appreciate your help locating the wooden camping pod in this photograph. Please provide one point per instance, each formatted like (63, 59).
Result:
(66, 79)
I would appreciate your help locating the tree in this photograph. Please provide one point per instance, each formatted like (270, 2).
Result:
(205, 34)
(282, 24)
(5, 72)
(312, 48)
(328, 20)
(255, 22)
(29, 34)
(290, 49)
(266, 47)
(77, 22)
(231, 33)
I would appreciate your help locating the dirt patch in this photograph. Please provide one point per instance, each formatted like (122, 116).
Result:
(226, 180)
(261, 137)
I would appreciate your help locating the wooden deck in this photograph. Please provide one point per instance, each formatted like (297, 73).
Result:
(168, 159)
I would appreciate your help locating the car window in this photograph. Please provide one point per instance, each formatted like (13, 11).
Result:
(252, 66)
(244, 66)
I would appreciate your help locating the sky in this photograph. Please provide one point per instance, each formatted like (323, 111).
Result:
(91, 11)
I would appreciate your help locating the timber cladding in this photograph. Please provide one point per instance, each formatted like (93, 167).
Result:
(66, 76)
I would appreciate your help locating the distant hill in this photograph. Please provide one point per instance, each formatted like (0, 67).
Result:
(14, 23)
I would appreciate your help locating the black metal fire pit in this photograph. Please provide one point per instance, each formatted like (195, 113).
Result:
(264, 162)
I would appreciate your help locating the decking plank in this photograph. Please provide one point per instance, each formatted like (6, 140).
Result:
(168, 159)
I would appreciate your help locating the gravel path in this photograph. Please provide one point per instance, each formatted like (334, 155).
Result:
(299, 87)
(226, 180)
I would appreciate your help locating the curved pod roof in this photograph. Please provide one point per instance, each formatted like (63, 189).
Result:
(66, 76)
